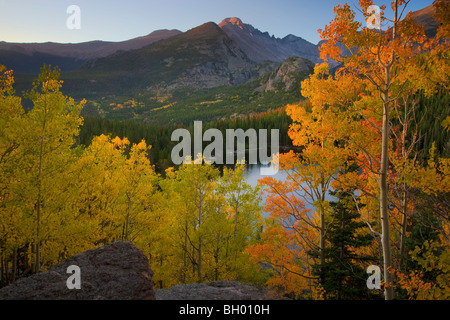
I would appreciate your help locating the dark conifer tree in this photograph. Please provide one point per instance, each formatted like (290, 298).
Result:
(343, 275)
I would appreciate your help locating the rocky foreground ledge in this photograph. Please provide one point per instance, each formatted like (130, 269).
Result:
(119, 271)
(215, 290)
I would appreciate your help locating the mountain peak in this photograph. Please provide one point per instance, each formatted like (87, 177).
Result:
(162, 33)
(208, 27)
(233, 21)
(290, 37)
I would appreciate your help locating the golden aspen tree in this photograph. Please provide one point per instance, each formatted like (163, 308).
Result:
(13, 233)
(290, 232)
(317, 130)
(98, 183)
(192, 185)
(158, 239)
(211, 220)
(139, 183)
(389, 63)
(236, 225)
(45, 140)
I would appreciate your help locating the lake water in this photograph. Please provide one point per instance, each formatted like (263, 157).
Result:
(259, 171)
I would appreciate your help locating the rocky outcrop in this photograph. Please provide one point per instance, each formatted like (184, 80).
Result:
(219, 60)
(117, 271)
(216, 290)
(288, 75)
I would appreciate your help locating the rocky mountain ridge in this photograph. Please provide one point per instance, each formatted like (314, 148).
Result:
(169, 71)
(29, 57)
(207, 56)
(260, 46)
(257, 45)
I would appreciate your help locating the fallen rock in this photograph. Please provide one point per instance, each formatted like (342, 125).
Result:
(215, 290)
(117, 271)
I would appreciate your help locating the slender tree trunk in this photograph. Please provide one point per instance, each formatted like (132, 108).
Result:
(39, 205)
(185, 251)
(200, 240)
(2, 277)
(39, 200)
(403, 227)
(14, 269)
(199, 264)
(236, 216)
(322, 211)
(161, 261)
(405, 198)
(194, 262)
(384, 210)
(216, 258)
(322, 237)
(127, 222)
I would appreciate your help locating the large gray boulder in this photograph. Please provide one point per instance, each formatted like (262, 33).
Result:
(215, 290)
(117, 271)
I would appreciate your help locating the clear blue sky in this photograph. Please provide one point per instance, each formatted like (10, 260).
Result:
(45, 20)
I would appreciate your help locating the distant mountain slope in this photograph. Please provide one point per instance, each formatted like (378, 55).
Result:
(31, 62)
(210, 71)
(29, 57)
(256, 45)
(202, 57)
(426, 18)
(210, 55)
